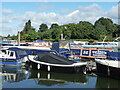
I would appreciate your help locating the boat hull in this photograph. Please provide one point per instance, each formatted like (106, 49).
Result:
(78, 69)
(108, 71)
(13, 62)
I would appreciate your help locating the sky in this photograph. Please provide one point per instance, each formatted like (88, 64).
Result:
(16, 14)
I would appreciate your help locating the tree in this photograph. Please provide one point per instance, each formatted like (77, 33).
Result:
(103, 21)
(99, 32)
(8, 35)
(82, 30)
(32, 35)
(56, 32)
(110, 29)
(14, 37)
(118, 30)
(43, 27)
(66, 32)
(27, 27)
(54, 26)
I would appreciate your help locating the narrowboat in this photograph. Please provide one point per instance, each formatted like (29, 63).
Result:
(55, 63)
(109, 67)
(69, 50)
(115, 45)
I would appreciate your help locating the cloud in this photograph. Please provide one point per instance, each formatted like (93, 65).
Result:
(113, 13)
(6, 20)
(89, 13)
(8, 29)
(7, 11)
(65, 11)
(73, 13)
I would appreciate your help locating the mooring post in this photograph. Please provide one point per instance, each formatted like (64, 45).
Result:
(18, 38)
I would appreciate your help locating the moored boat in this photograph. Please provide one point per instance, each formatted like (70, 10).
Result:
(55, 63)
(109, 67)
(10, 58)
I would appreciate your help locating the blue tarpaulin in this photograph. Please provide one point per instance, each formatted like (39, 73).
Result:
(113, 55)
(38, 41)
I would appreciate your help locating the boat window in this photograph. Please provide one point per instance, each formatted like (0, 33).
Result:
(40, 43)
(8, 52)
(4, 51)
(11, 54)
(22, 52)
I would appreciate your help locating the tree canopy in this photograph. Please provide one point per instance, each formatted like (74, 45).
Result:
(82, 30)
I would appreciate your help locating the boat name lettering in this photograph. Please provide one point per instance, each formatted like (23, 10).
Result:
(101, 52)
(85, 52)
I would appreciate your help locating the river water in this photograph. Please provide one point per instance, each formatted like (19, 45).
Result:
(19, 77)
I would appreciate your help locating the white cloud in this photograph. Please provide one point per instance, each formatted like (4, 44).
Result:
(113, 12)
(7, 30)
(65, 11)
(83, 13)
(89, 13)
(6, 20)
(7, 11)
(73, 13)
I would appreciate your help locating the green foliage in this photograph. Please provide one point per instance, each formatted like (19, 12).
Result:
(8, 35)
(56, 32)
(14, 37)
(99, 32)
(54, 26)
(32, 35)
(43, 27)
(82, 31)
(110, 28)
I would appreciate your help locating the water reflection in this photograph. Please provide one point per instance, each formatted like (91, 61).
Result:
(51, 78)
(13, 74)
(17, 77)
(105, 82)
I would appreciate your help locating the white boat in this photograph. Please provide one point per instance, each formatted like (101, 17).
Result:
(56, 63)
(26, 47)
(10, 58)
(108, 67)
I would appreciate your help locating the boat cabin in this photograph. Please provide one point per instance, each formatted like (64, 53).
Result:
(8, 54)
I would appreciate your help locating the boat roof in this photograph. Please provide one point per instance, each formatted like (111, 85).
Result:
(113, 55)
(54, 59)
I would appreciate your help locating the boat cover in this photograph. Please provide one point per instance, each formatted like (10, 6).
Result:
(53, 59)
(113, 55)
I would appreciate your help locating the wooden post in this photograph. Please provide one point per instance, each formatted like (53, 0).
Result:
(18, 38)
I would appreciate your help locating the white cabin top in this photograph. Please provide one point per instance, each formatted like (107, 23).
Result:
(106, 43)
